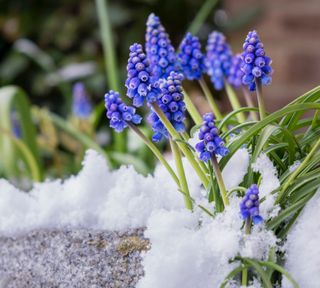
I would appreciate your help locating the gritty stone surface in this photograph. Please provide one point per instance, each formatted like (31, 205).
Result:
(72, 258)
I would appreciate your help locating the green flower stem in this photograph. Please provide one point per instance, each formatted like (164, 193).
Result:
(111, 65)
(204, 168)
(201, 16)
(249, 102)
(262, 107)
(236, 189)
(213, 105)
(244, 278)
(217, 172)
(182, 176)
(155, 151)
(296, 172)
(234, 101)
(184, 148)
(247, 226)
(247, 229)
(193, 111)
(185, 136)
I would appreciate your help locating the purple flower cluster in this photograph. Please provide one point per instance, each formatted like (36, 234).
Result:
(171, 103)
(160, 52)
(191, 58)
(255, 63)
(15, 125)
(249, 206)
(210, 143)
(81, 106)
(218, 59)
(138, 81)
(119, 113)
(235, 72)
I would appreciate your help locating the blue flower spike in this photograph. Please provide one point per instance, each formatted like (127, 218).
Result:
(255, 63)
(138, 81)
(210, 143)
(159, 50)
(119, 113)
(235, 72)
(171, 103)
(191, 58)
(218, 59)
(249, 206)
(81, 106)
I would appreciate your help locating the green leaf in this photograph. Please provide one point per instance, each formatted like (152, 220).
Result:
(247, 135)
(229, 116)
(286, 213)
(186, 143)
(84, 139)
(194, 129)
(256, 265)
(232, 274)
(281, 270)
(14, 98)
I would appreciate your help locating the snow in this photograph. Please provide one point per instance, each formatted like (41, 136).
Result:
(269, 183)
(96, 198)
(193, 255)
(188, 249)
(234, 176)
(302, 247)
(294, 166)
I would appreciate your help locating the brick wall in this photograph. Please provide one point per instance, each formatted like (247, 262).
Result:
(290, 31)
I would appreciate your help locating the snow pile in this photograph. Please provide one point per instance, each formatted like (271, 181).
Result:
(187, 254)
(188, 249)
(237, 167)
(95, 198)
(269, 182)
(303, 249)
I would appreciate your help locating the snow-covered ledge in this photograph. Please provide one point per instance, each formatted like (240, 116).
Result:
(86, 231)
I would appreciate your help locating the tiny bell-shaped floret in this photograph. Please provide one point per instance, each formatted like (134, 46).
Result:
(210, 143)
(235, 72)
(249, 206)
(138, 81)
(218, 59)
(172, 105)
(255, 64)
(191, 58)
(81, 106)
(160, 52)
(119, 113)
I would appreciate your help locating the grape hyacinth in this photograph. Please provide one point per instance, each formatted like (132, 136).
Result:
(15, 125)
(159, 50)
(249, 206)
(81, 105)
(171, 103)
(210, 143)
(218, 59)
(255, 63)
(139, 77)
(119, 113)
(235, 72)
(191, 58)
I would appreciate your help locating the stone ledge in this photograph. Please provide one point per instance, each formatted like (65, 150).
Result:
(72, 258)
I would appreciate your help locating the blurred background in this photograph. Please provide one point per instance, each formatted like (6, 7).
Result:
(48, 46)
